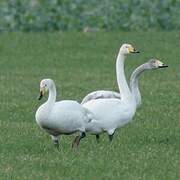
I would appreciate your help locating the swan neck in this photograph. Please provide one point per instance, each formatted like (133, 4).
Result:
(134, 84)
(52, 95)
(121, 79)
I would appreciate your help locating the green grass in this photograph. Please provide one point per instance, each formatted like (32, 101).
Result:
(148, 148)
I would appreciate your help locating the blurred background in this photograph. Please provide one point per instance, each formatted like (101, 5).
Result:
(92, 15)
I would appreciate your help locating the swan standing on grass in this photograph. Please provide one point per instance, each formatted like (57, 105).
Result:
(114, 113)
(134, 86)
(63, 117)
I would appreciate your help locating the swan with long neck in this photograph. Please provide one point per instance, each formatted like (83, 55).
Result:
(134, 80)
(150, 65)
(134, 83)
(63, 117)
(114, 113)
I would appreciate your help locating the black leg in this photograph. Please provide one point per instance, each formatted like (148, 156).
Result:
(83, 135)
(56, 143)
(111, 137)
(97, 137)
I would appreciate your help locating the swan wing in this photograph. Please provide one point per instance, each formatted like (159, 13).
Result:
(67, 117)
(101, 94)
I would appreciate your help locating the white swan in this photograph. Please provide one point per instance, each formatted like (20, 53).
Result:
(63, 117)
(114, 113)
(134, 83)
(102, 94)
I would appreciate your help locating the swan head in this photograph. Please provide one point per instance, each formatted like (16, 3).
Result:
(127, 49)
(45, 85)
(155, 64)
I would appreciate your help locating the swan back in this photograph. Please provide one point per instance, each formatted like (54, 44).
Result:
(102, 94)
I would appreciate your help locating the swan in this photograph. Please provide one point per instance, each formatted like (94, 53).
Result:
(62, 117)
(134, 86)
(134, 79)
(113, 113)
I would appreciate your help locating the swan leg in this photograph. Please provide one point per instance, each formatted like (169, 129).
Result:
(56, 144)
(111, 137)
(55, 141)
(78, 139)
(74, 142)
(97, 138)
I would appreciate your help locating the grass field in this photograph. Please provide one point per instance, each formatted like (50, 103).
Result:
(148, 148)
